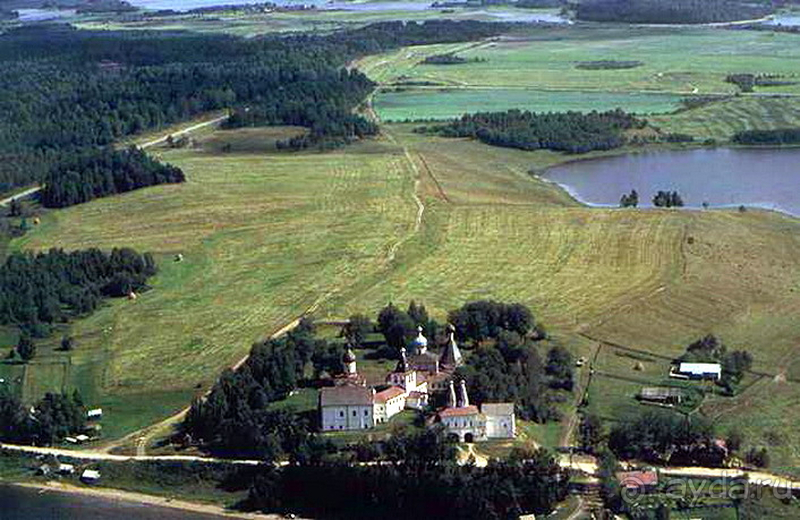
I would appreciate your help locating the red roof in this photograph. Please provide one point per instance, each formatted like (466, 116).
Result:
(389, 393)
(458, 412)
(637, 479)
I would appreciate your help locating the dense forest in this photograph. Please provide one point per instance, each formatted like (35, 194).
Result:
(65, 92)
(48, 421)
(235, 419)
(533, 483)
(768, 137)
(94, 174)
(572, 132)
(39, 290)
(671, 11)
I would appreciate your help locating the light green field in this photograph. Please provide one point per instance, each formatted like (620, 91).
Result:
(543, 63)
(721, 120)
(547, 58)
(264, 239)
(450, 103)
(267, 236)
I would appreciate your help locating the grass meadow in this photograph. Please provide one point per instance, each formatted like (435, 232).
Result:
(537, 69)
(267, 236)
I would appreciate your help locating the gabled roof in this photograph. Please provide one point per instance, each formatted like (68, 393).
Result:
(460, 411)
(389, 393)
(637, 479)
(497, 409)
(660, 392)
(345, 396)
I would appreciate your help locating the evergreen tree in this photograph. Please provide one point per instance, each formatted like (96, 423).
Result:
(26, 348)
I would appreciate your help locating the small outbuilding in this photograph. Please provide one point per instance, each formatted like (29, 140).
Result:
(95, 414)
(701, 371)
(661, 394)
(90, 476)
(66, 469)
(638, 480)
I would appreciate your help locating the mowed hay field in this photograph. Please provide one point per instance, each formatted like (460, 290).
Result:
(264, 239)
(538, 69)
(267, 236)
(649, 281)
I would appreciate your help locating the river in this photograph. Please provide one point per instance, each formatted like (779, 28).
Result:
(767, 178)
(30, 504)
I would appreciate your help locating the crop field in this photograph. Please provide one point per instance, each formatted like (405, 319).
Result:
(267, 236)
(722, 119)
(448, 103)
(546, 61)
(264, 238)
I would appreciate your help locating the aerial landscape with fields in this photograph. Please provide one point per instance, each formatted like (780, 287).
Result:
(383, 259)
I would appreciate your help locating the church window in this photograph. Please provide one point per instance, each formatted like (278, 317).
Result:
(341, 413)
(354, 413)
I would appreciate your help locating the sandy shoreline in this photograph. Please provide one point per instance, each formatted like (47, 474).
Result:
(141, 498)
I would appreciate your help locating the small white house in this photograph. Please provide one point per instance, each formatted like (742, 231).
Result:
(701, 370)
(82, 438)
(90, 476)
(71, 440)
(66, 469)
(388, 403)
(95, 415)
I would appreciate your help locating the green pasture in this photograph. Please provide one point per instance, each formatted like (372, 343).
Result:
(722, 119)
(682, 61)
(537, 69)
(267, 236)
(448, 103)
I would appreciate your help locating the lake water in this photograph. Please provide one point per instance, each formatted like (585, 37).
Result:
(29, 504)
(768, 178)
(41, 15)
(785, 19)
(515, 15)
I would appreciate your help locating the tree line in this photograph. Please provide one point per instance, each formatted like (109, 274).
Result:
(94, 174)
(39, 290)
(430, 488)
(774, 137)
(572, 132)
(672, 11)
(235, 418)
(66, 92)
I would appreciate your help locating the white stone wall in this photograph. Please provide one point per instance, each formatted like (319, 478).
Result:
(500, 426)
(465, 424)
(358, 417)
(395, 405)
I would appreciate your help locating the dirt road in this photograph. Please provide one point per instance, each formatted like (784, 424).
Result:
(20, 195)
(186, 130)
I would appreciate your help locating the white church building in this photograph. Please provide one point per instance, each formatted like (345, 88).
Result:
(472, 424)
(351, 405)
